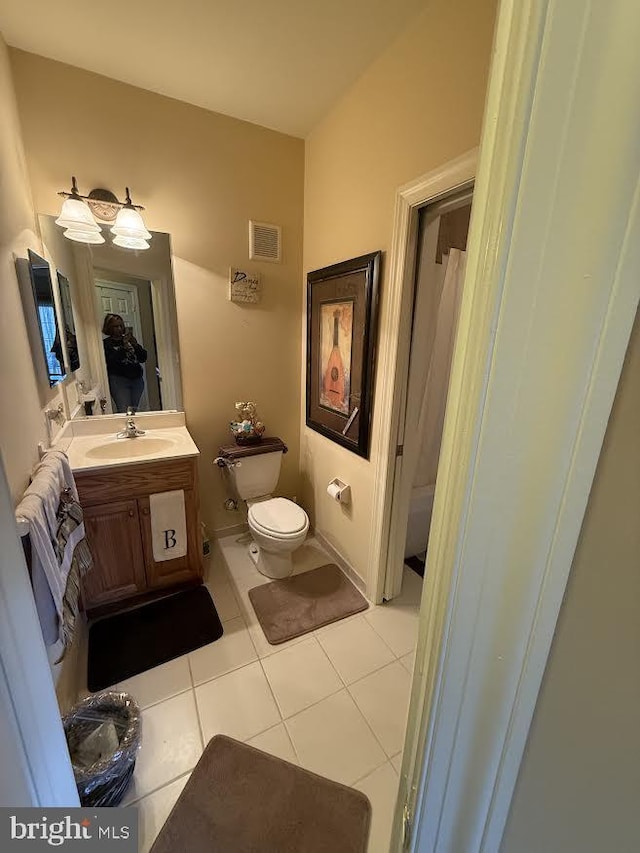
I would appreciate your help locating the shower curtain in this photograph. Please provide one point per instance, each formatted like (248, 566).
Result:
(434, 398)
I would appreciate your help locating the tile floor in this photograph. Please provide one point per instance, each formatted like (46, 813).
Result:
(333, 701)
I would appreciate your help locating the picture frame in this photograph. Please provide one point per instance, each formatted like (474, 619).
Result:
(342, 315)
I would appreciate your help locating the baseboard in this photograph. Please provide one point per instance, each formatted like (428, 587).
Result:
(346, 567)
(232, 530)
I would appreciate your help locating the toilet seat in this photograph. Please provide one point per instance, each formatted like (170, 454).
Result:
(278, 518)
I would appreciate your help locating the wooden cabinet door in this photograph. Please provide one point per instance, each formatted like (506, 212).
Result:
(113, 533)
(182, 569)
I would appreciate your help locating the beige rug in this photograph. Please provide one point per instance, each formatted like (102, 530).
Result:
(302, 603)
(241, 800)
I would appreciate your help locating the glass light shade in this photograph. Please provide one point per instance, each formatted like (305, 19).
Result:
(76, 216)
(80, 236)
(129, 223)
(130, 242)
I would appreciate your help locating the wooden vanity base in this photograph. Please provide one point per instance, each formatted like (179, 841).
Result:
(118, 527)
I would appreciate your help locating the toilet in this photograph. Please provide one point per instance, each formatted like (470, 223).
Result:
(278, 526)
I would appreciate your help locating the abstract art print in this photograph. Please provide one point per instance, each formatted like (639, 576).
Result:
(341, 326)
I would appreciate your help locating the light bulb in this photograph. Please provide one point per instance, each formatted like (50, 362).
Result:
(76, 216)
(130, 242)
(129, 223)
(82, 236)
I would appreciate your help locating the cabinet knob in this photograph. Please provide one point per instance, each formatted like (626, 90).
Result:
(131, 513)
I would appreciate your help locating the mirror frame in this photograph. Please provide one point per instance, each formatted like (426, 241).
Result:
(36, 261)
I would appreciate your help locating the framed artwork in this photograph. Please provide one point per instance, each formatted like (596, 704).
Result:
(342, 307)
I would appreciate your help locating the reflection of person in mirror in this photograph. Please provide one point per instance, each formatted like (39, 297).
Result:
(124, 357)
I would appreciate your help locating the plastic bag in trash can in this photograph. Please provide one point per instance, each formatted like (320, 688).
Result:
(97, 745)
(103, 736)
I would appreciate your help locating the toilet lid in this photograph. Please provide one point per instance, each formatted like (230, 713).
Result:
(279, 515)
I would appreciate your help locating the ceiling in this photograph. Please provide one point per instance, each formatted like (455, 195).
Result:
(278, 63)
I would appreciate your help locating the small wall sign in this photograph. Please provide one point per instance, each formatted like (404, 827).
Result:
(244, 286)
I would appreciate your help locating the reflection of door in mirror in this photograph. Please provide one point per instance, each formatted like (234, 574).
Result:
(131, 300)
(40, 272)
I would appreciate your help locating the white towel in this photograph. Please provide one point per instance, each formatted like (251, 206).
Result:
(39, 507)
(168, 525)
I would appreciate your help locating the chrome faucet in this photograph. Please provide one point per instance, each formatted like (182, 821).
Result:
(130, 430)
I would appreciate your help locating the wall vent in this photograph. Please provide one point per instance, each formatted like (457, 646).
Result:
(265, 242)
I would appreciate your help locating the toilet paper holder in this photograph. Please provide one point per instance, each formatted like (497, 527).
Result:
(339, 491)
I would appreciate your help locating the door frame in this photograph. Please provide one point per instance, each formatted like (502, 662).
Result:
(130, 288)
(537, 285)
(40, 773)
(389, 521)
(167, 346)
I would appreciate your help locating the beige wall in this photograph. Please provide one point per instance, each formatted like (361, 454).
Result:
(416, 107)
(22, 423)
(201, 176)
(579, 781)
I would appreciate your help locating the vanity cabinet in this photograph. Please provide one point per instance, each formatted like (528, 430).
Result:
(113, 533)
(118, 527)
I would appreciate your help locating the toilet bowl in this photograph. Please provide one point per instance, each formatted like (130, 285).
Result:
(278, 526)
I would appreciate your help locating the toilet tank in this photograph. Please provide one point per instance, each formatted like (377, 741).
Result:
(255, 468)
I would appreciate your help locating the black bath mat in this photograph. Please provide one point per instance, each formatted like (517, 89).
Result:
(130, 643)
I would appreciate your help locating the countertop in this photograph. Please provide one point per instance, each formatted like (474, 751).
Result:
(93, 445)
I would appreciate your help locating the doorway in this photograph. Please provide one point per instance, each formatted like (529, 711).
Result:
(131, 298)
(442, 231)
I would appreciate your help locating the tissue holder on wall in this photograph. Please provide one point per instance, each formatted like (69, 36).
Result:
(339, 491)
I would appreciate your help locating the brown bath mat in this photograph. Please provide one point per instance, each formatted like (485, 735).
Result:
(302, 603)
(240, 800)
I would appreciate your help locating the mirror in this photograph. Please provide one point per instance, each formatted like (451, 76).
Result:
(73, 354)
(42, 285)
(125, 329)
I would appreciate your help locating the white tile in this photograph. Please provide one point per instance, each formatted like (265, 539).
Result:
(320, 632)
(154, 809)
(234, 550)
(408, 660)
(275, 741)
(262, 646)
(396, 762)
(310, 555)
(239, 704)
(396, 624)
(383, 698)
(223, 597)
(171, 744)
(301, 676)
(381, 787)
(332, 739)
(354, 649)
(233, 650)
(161, 682)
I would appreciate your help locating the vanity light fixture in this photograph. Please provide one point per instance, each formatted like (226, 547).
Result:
(78, 218)
(129, 227)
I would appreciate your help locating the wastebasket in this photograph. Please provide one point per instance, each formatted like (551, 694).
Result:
(103, 736)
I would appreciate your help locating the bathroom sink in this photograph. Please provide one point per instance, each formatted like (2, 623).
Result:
(129, 448)
(93, 449)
